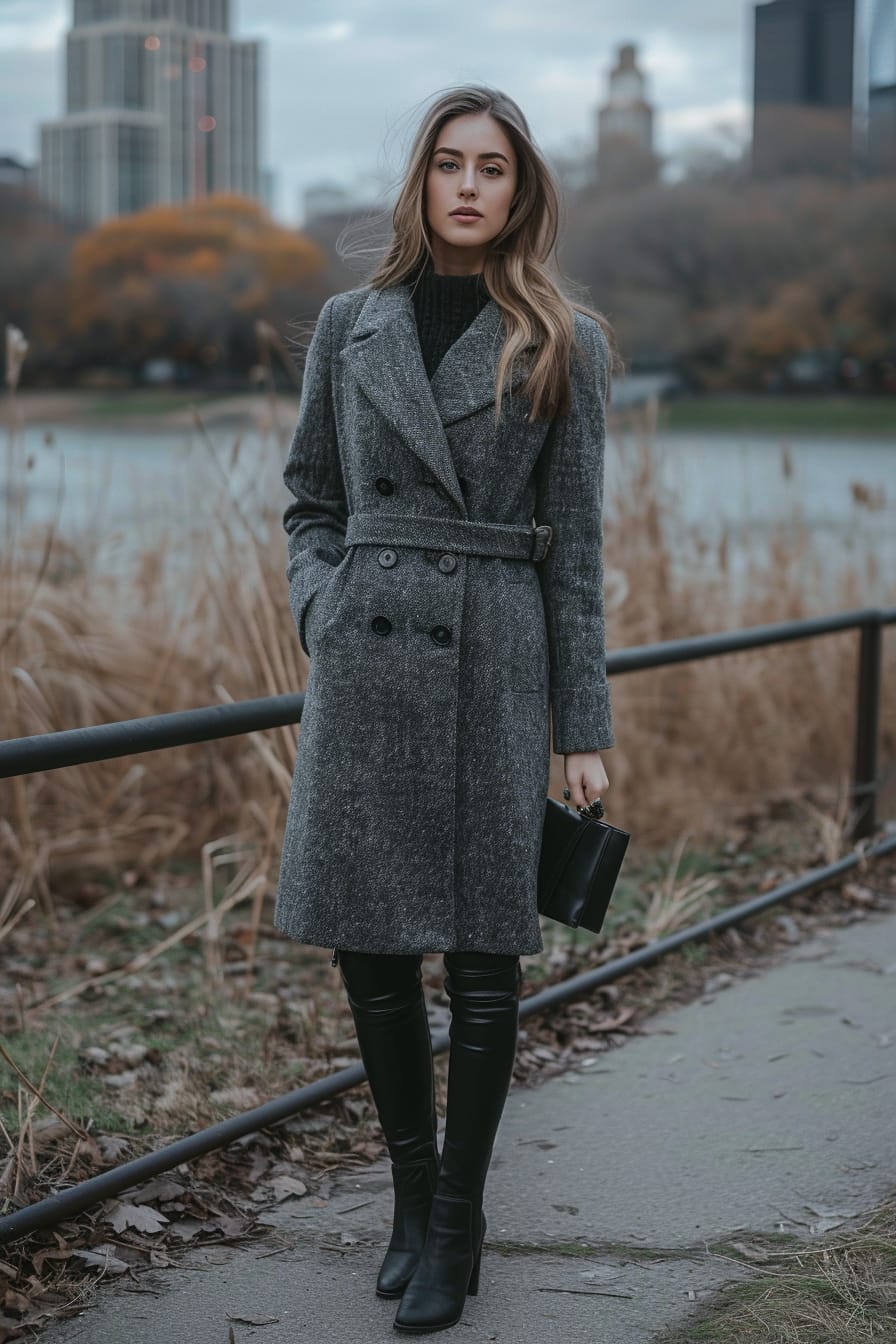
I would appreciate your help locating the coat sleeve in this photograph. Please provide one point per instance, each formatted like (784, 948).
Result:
(315, 521)
(569, 496)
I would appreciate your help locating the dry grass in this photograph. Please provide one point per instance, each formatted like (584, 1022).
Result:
(840, 1290)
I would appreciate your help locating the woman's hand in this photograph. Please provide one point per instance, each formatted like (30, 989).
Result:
(586, 778)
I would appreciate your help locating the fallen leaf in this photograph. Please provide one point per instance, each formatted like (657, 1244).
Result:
(139, 1216)
(130, 1052)
(112, 1146)
(121, 1079)
(14, 1301)
(104, 1258)
(50, 1253)
(162, 1187)
(186, 1228)
(286, 1186)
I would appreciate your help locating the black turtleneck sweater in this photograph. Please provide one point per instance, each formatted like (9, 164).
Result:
(444, 305)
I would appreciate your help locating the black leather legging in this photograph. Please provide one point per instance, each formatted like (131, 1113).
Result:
(483, 989)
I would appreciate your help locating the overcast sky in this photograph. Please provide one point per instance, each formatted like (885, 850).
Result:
(344, 83)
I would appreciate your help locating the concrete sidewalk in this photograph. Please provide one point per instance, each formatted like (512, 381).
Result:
(764, 1108)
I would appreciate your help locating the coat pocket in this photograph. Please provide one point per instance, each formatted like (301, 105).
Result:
(322, 609)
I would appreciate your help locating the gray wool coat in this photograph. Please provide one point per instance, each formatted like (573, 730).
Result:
(415, 816)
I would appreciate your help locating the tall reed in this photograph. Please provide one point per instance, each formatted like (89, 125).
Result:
(201, 616)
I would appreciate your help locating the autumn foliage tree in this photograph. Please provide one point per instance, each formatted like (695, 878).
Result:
(35, 245)
(734, 282)
(187, 283)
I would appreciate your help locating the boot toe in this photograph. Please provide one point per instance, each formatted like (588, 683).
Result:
(447, 1271)
(414, 1183)
(396, 1271)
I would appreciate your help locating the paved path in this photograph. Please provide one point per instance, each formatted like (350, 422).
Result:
(756, 1110)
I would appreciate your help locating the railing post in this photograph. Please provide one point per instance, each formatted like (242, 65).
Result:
(864, 775)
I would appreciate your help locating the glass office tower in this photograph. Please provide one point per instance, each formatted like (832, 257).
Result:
(161, 104)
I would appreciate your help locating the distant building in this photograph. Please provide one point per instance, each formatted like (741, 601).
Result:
(803, 86)
(882, 90)
(326, 201)
(161, 104)
(15, 173)
(625, 153)
(267, 189)
(327, 208)
(350, 224)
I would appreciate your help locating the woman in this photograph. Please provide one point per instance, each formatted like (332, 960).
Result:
(445, 576)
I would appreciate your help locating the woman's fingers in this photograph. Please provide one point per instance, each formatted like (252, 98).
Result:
(586, 780)
(575, 784)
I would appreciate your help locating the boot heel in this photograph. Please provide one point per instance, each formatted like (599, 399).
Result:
(473, 1288)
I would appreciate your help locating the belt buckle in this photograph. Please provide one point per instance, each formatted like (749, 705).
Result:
(541, 540)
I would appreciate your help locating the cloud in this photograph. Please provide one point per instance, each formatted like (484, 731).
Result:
(31, 26)
(345, 86)
(30, 85)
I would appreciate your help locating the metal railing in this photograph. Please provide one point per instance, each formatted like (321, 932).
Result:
(157, 732)
(54, 751)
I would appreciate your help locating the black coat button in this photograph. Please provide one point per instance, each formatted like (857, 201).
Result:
(441, 634)
(381, 624)
(384, 485)
(387, 557)
(447, 562)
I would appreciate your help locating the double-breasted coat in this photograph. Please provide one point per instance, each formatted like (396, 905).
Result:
(415, 817)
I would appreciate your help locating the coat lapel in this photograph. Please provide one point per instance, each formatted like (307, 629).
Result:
(383, 353)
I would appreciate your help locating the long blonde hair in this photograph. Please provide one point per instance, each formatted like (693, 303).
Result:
(535, 311)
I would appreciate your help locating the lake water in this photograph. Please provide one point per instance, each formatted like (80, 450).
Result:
(125, 489)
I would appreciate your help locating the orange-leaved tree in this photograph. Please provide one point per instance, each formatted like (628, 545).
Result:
(187, 282)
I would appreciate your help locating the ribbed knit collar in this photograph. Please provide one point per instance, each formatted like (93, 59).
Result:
(453, 297)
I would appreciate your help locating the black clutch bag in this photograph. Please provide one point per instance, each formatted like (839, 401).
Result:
(580, 861)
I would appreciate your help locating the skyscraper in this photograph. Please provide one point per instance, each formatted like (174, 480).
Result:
(161, 104)
(803, 86)
(882, 89)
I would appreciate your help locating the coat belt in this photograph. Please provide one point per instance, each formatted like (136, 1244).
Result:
(509, 541)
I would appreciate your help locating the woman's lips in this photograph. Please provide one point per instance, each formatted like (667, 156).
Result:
(455, 215)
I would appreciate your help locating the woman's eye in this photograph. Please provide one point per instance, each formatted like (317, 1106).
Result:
(449, 163)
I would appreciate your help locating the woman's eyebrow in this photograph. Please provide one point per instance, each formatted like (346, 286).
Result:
(458, 153)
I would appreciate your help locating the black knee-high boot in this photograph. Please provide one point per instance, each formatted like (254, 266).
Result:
(484, 991)
(385, 994)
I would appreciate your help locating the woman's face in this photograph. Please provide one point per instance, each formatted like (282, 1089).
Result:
(474, 165)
